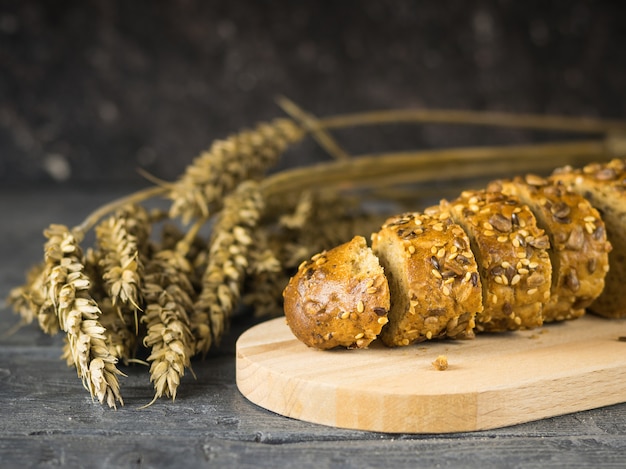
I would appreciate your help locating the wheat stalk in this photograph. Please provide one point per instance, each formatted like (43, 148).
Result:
(314, 127)
(488, 118)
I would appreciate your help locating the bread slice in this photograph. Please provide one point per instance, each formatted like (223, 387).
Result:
(512, 257)
(339, 298)
(433, 278)
(604, 186)
(579, 255)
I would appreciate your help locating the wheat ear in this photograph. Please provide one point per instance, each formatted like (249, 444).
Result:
(246, 155)
(168, 295)
(120, 262)
(30, 303)
(231, 241)
(265, 277)
(67, 288)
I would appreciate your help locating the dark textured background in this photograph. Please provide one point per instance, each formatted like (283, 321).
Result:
(90, 90)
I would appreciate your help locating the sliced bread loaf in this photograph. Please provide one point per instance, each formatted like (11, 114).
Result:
(579, 255)
(604, 185)
(511, 252)
(433, 280)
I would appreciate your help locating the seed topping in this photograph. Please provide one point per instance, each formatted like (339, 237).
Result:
(501, 223)
(380, 311)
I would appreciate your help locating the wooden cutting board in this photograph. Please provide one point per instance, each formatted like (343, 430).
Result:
(492, 381)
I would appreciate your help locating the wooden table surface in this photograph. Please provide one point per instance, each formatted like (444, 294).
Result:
(48, 419)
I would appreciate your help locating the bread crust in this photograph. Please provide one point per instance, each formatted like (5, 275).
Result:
(512, 256)
(604, 186)
(339, 298)
(433, 278)
(579, 248)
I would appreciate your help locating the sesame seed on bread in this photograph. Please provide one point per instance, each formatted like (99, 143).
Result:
(512, 257)
(339, 298)
(579, 249)
(433, 280)
(604, 186)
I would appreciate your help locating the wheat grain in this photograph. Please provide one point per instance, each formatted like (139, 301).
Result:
(266, 277)
(120, 338)
(318, 221)
(168, 294)
(230, 244)
(120, 262)
(67, 288)
(27, 299)
(139, 222)
(213, 174)
(333, 219)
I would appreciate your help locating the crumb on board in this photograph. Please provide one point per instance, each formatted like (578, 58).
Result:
(537, 333)
(441, 363)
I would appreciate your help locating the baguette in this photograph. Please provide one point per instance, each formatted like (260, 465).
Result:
(517, 254)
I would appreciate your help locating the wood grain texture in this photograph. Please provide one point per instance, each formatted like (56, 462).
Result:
(494, 381)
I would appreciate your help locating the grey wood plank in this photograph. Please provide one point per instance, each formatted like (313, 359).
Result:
(168, 451)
